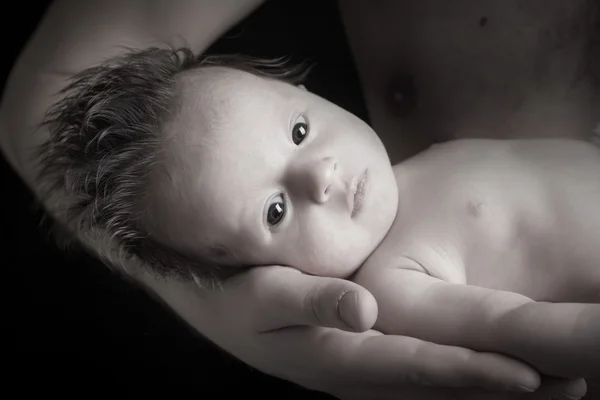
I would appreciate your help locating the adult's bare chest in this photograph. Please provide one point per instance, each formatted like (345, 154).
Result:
(433, 70)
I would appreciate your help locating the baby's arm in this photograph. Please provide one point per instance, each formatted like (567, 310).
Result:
(559, 339)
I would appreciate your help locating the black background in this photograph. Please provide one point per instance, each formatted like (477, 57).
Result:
(76, 329)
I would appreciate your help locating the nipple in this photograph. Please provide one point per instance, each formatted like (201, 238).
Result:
(402, 95)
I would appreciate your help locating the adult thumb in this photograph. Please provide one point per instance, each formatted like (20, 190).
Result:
(291, 298)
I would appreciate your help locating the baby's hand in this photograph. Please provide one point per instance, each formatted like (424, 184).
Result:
(561, 340)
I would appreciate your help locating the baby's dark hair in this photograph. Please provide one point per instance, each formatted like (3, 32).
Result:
(105, 138)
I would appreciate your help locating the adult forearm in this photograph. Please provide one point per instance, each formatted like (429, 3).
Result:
(75, 35)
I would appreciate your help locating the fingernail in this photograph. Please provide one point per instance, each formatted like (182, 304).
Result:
(522, 389)
(346, 308)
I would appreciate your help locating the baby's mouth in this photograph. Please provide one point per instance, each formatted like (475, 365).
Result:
(359, 186)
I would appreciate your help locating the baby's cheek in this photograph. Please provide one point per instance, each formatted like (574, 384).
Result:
(308, 256)
(327, 252)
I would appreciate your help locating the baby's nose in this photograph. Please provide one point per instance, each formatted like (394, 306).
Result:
(319, 178)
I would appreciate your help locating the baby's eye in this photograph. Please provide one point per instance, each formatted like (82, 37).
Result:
(299, 130)
(276, 210)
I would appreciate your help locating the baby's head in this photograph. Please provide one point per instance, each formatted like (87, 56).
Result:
(200, 169)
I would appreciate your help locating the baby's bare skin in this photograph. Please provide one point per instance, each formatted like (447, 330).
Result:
(519, 217)
(479, 212)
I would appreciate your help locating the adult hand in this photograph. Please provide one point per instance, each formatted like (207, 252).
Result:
(315, 332)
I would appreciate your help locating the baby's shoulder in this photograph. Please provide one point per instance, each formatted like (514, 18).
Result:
(454, 167)
(401, 251)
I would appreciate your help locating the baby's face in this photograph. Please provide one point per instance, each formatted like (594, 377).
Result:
(278, 175)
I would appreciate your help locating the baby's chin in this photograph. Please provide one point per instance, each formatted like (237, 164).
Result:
(342, 267)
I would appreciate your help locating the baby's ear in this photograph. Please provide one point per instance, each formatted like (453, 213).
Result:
(301, 86)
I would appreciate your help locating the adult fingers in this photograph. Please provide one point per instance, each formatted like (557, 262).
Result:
(388, 358)
(286, 297)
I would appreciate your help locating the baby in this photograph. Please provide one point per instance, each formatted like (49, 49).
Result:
(463, 244)
(488, 244)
